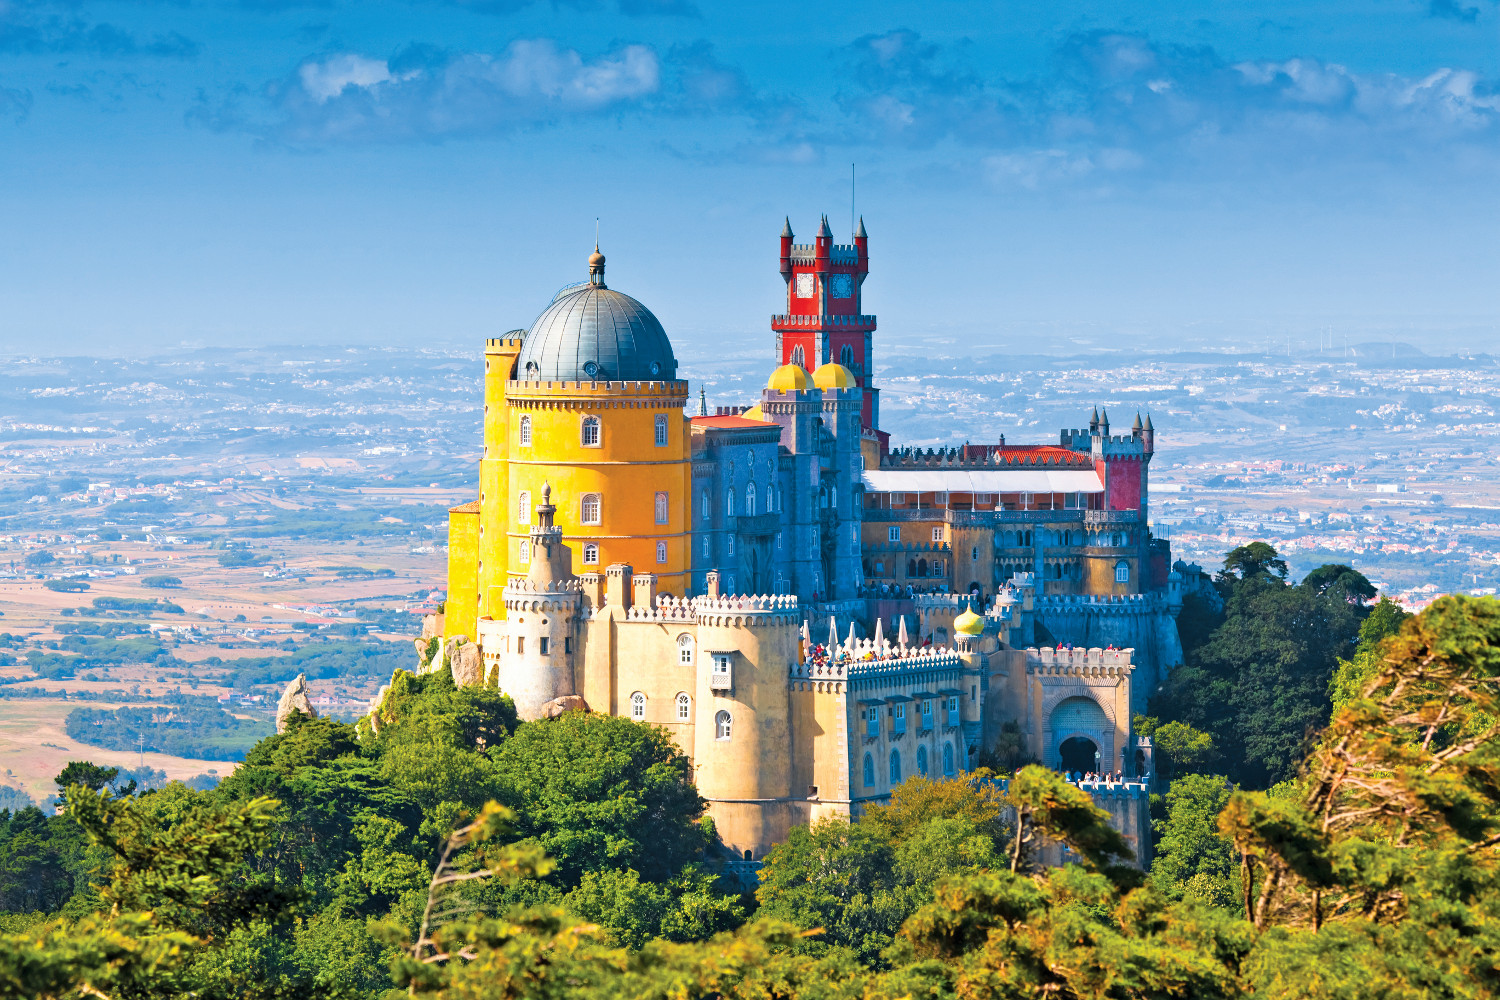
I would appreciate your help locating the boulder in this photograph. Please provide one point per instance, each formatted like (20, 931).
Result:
(432, 627)
(466, 665)
(293, 699)
(567, 703)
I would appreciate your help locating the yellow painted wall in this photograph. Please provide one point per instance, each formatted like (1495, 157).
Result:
(494, 479)
(462, 608)
(627, 469)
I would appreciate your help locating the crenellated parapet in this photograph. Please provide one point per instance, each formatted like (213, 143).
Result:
(1101, 604)
(977, 459)
(1093, 662)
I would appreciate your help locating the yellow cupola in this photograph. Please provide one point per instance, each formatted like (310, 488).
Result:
(968, 623)
(788, 378)
(754, 413)
(833, 376)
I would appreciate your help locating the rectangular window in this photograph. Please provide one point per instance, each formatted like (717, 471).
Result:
(567, 644)
(543, 643)
(900, 717)
(953, 712)
(927, 713)
(940, 498)
(872, 721)
(893, 534)
(937, 533)
(520, 645)
(898, 499)
(722, 677)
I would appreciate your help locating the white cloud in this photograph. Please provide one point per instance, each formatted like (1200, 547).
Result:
(327, 79)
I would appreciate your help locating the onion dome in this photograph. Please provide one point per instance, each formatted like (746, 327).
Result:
(788, 378)
(592, 333)
(833, 376)
(754, 413)
(968, 623)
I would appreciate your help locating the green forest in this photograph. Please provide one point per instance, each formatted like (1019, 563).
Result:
(1328, 828)
(178, 730)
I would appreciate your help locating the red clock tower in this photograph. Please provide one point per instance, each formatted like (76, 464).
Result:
(823, 321)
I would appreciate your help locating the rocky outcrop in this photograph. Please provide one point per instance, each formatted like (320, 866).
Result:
(466, 665)
(567, 703)
(293, 699)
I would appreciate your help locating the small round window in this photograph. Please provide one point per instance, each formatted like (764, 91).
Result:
(590, 369)
(656, 368)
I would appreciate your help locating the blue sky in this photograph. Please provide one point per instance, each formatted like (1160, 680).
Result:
(1038, 176)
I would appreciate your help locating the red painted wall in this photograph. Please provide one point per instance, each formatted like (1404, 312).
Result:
(1124, 485)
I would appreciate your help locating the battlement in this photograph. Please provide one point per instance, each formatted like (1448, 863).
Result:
(522, 389)
(504, 345)
(523, 585)
(863, 658)
(838, 253)
(967, 457)
(1093, 662)
(1097, 604)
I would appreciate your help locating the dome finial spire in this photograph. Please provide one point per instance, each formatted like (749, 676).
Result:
(596, 260)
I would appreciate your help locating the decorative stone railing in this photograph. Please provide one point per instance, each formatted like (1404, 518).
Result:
(1094, 661)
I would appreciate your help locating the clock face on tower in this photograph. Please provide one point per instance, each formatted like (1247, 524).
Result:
(807, 285)
(841, 286)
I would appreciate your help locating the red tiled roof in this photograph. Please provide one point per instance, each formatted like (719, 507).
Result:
(731, 422)
(472, 507)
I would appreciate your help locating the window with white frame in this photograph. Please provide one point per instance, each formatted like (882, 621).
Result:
(940, 498)
(937, 533)
(722, 676)
(661, 431)
(706, 505)
(729, 544)
(590, 434)
(722, 725)
(893, 533)
(661, 507)
(638, 706)
(898, 498)
(708, 546)
(750, 499)
(684, 707)
(685, 650)
(833, 495)
(525, 432)
(661, 552)
(729, 502)
(1122, 572)
(525, 552)
(588, 508)
(523, 507)
(591, 554)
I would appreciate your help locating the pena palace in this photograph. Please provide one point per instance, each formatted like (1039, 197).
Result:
(812, 609)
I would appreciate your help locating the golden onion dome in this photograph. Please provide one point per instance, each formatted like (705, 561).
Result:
(754, 413)
(833, 376)
(968, 623)
(788, 378)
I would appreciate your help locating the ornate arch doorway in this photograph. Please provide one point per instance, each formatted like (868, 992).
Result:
(1079, 753)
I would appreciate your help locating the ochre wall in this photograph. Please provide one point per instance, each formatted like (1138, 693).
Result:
(461, 611)
(627, 469)
(494, 479)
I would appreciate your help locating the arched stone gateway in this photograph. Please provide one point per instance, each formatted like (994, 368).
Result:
(1078, 730)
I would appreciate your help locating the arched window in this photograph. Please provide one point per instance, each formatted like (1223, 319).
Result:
(750, 499)
(661, 552)
(523, 507)
(846, 356)
(706, 505)
(922, 761)
(798, 358)
(729, 545)
(661, 507)
(525, 552)
(833, 494)
(591, 432)
(729, 503)
(895, 767)
(684, 707)
(780, 499)
(588, 508)
(707, 546)
(661, 431)
(638, 706)
(869, 771)
(685, 650)
(722, 725)
(591, 554)
(525, 432)
(1122, 572)
(948, 759)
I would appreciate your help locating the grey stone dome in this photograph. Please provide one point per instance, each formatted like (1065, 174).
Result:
(593, 333)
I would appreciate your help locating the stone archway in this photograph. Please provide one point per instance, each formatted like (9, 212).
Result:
(1080, 718)
(1079, 753)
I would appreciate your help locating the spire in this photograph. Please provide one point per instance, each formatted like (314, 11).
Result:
(1104, 419)
(545, 510)
(702, 402)
(1137, 425)
(786, 230)
(823, 231)
(860, 233)
(1148, 421)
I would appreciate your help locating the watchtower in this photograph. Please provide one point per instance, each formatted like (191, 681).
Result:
(824, 320)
